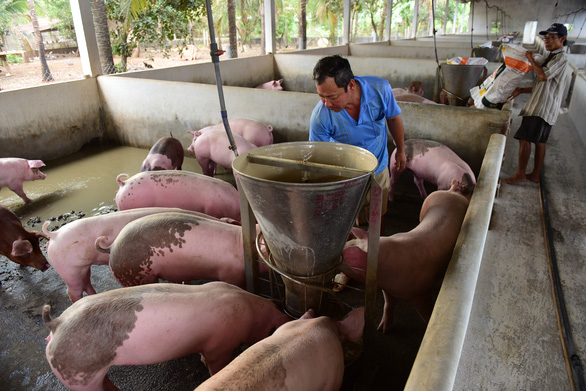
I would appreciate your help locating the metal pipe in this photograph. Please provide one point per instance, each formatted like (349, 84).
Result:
(215, 53)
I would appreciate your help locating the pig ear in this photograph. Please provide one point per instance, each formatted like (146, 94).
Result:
(191, 132)
(360, 233)
(351, 327)
(309, 314)
(21, 248)
(355, 258)
(35, 163)
(280, 81)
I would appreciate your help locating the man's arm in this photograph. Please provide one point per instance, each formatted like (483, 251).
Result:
(538, 69)
(395, 125)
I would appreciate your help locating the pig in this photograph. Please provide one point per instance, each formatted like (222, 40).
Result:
(271, 85)
(72, 251)
(152, 324)
(213, 148)
(304, 354)
(411, 263)
(14, 171)
(166, 154)
(18, 244)
(177, 247)
(416, 88)
(258, 133)
(179, 189)
(433, 162)
(414, 98)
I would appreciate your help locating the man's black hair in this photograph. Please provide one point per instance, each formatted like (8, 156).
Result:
(333, 66)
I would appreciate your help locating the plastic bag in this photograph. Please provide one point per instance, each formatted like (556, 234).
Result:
(496, 89)
(467, 61)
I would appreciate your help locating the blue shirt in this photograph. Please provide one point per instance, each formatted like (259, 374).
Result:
(377, 103)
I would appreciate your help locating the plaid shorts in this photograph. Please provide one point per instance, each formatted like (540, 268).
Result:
(533, 129)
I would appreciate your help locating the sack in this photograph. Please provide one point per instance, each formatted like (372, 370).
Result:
(496, 89)
(467, 61)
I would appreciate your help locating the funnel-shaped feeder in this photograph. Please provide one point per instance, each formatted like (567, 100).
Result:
(458, 80)
(305, 196)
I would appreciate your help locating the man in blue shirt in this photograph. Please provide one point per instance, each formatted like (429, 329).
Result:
(357, 110)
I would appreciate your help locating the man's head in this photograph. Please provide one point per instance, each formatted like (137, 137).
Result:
(336, 67)
(555, 36)
(335, 82)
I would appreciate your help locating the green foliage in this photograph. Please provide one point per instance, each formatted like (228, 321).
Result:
(61, 10)
(14, 59)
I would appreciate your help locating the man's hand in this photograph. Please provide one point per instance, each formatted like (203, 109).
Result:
(400, 160)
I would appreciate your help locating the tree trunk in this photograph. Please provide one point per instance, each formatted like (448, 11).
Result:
(103, 36)
(45, 68)
(303, 25)
(232, 28)
(383, 21)
(263, 48)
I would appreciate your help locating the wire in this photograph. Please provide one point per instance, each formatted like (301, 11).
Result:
(573, 363)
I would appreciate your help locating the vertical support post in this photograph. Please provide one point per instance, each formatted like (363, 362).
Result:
(270, 40)
(369, 336)
(346, 23)
(389, 20)
(415, 18)
(248, 223)
(86, 37)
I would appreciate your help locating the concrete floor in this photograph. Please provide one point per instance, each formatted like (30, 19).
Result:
(513, 341)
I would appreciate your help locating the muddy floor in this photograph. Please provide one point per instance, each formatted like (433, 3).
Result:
(84, 185)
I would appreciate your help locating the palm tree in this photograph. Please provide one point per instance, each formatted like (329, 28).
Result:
(35, 21)
(103, 36)
(302, 25)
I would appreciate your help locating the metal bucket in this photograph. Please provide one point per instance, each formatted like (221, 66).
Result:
(458, 80)
(305, 207)
(491, 54)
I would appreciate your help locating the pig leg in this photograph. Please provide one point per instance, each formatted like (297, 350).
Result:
(394, 179)
(388, 313)
(216, 360)
(207, 165)
(79, 283)
(20, 192)
(420, 186)
(423, 305)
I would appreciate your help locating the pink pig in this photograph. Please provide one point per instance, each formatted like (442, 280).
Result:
(18, 244)
(411, 263)
(258, 133)
(166, 154)
(213, 147)
(177, 247)
(271, 85)
(14, 171)
(152, 324)
(435, 163)
(179, 189)
(72, 251)
(305, 355)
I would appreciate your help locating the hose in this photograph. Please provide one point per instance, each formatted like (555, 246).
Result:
(215, 53)
(573, 363)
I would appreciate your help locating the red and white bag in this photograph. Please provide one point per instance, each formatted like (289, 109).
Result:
(497, 88)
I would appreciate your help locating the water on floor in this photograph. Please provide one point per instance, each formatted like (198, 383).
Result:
(84, 184)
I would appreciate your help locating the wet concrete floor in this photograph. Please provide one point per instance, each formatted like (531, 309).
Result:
(84, 185)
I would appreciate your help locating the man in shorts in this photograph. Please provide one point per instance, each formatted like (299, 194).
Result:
(541, 111)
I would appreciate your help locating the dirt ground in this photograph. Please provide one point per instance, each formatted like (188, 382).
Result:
(65, 67)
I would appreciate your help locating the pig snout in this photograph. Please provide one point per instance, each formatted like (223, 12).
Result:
(99, 243)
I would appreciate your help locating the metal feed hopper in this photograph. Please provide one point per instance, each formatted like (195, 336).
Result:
(458, 80)
(305, 196)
